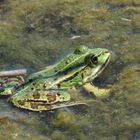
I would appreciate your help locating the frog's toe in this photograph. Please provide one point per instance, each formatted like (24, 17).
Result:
(102, 93)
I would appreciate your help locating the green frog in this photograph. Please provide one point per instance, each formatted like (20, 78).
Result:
(49, 88)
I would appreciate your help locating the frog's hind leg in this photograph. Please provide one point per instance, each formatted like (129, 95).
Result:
(97, 92)
(43, 100)
(38, 100)
(43, 106)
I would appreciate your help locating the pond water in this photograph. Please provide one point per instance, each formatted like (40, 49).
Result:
(34, 34)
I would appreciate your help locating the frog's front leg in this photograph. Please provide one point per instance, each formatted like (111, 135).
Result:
(38, 100)
(98, 92)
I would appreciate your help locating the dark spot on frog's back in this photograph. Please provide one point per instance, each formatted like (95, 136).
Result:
(36, 95)
(33, 83)
(67, 62)
(22, 103)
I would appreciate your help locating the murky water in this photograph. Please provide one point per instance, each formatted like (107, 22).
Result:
(34, 34)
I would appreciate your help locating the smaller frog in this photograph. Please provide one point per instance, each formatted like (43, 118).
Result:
(49, 88)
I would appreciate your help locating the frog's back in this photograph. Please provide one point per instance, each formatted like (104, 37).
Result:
(69, 62)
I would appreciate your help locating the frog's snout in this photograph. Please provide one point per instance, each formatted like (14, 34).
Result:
(106, 54)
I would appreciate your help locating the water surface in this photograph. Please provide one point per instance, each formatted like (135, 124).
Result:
(34, 34)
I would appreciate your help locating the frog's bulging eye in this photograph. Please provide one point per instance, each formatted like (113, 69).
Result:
(94, 59)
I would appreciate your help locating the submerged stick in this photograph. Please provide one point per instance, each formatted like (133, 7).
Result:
(19, 72)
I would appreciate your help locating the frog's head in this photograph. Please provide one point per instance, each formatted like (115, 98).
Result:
(83, 65)
(95, 59)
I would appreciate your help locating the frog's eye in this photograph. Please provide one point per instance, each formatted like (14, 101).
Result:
(94, 59)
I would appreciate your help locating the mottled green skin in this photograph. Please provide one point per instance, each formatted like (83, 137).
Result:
(9, 84)
(47, 88)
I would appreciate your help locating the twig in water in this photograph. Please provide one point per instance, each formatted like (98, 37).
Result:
(10, 73)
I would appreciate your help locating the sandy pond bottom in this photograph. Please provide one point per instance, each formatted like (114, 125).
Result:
(34, 34)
